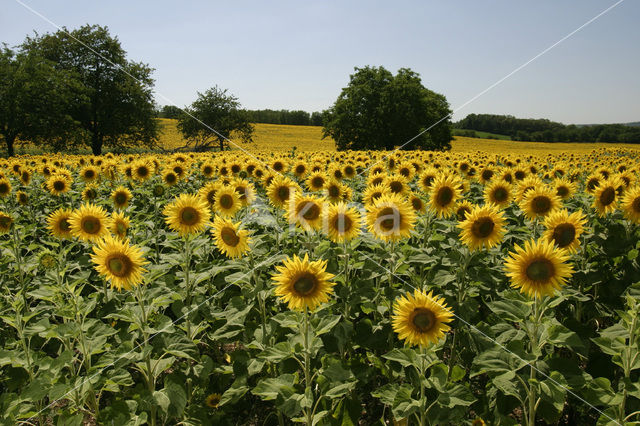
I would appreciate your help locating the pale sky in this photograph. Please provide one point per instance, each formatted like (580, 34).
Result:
(299, 54)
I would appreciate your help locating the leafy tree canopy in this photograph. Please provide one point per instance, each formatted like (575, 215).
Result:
(112, 102)
(379, 110)
(212, 118)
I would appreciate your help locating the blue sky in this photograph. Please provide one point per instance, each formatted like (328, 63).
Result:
(299, 54)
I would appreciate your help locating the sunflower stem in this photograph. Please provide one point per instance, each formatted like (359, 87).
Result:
(187, 281)
(307, 374)
(533, 338)
(150, 378)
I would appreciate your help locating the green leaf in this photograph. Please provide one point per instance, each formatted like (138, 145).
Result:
(162, 400)
(277, 353)
(269, 389)
(326, 324)
(406, 357)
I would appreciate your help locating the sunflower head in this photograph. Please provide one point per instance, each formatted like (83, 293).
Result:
(5, 222)
(420, 319)
(89, 223)
(119, 262)
(498, 193)
(227, 201)
(187, 214)
(121, 197)
(5, 187)
(482, 227)
(303, 284)
(59, 224)
(213, 400)
(306, 212)
(538, 269)
(119, 225)
(605, 197)
(22, 198)
(342, 222)
(391, 218)
(539, 202)
(631, 204)
(229, 238)
(58, 184)
(444, 193)
(564, 229)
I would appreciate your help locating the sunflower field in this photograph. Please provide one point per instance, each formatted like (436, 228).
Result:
(323, 288)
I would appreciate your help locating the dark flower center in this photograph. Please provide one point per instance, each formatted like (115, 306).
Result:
(483, 227)
(226, 201)
(396, 187)
(283, 193)
(500, 194)
(607, 196)
(229, 236)
(90, 224)
(444, 196)
(389, 218)
(189, 216)
(564, 234)
(342, 223)
(305, 284)
(541, 204)
(423, 319)
(120, 198)
(309, 210)
(59, 185)
(119, 265)
(540, 270)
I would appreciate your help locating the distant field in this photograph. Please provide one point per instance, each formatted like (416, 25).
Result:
(485, 135)
(272, 137)
(279, 137)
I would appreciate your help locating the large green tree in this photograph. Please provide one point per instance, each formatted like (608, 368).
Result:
(212, 119)
(113, 104)
(379, 110)
(34, 101)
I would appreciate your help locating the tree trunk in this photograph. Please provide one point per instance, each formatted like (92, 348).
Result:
(96, 144)
(221, 143)
(10, 149)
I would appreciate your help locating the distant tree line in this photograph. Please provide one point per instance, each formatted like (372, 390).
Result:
(270, 116)
(543, 130)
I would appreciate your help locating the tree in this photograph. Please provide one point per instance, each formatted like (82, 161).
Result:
(113, 103)
(378, 110)
(34, 99)
(212, 118)
(170, 111)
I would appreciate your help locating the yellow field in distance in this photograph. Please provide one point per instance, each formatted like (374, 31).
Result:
(281, 137)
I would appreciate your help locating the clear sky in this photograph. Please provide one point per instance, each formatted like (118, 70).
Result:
(299, 54)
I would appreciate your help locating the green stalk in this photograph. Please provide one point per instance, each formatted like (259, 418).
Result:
(627, 369)
(187, 264)
(151, 385)
(307, 373)
(532, 376)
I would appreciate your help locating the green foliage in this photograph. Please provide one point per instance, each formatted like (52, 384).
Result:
(110, 97)
(378, 110)
(212, 118)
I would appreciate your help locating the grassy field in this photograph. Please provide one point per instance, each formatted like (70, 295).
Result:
(276, 137)
(272, 137)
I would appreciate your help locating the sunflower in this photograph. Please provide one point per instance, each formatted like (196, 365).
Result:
(306, 212)
(483, 227)
(564, 229)
(417, 203)
(227, 202)
(22, 198)
(300, 169)
(187, 214)
(372, 193)
(213, 400)
(5, 222)
(5, 187)
(397, 184)
(25, 176)
(142, 170)
(58, 223)
(170, 177)
(58, 184)
(463, 208)
(89, 193)
(445, 191)
(119, 225)
(303, 284)
(539, 202)
(605, 197)
(89, 223)
(229, 239)
(342, 222)
(421, 318)
(246, 192)
(335, 191)
(207, 169)
(390, 218)
(564, 188)
(498, 193)
(538, 269)
(631, 204)
(89, 173)
(119, 262)
(208, 193)
(316, 181)
(121, 197)
(426, 179)
(280, 190)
